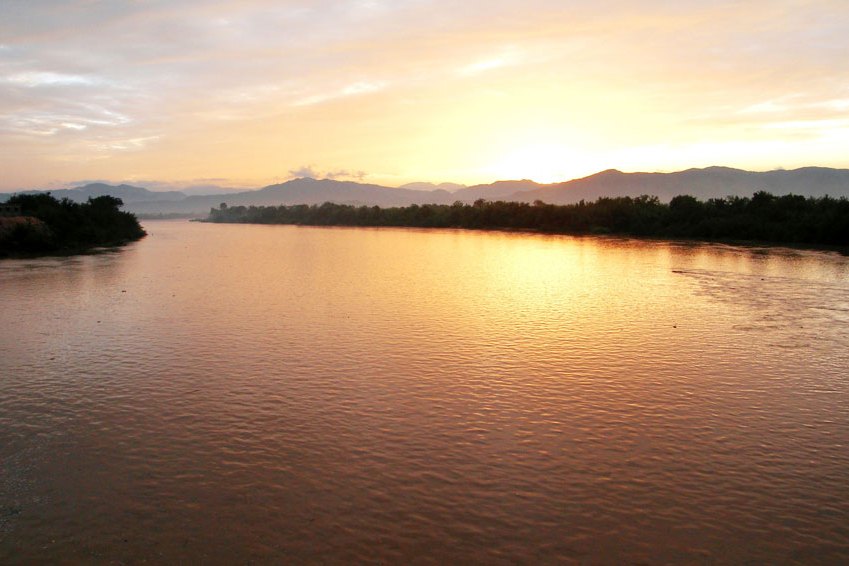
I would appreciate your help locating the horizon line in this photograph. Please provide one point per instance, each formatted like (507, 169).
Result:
(238, 187)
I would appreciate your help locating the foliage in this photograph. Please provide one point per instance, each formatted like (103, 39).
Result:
(763, 217)
(64, 226)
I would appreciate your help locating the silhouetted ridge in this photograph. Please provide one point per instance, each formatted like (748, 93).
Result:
(710, 182)
(607, 173)
(706, 183)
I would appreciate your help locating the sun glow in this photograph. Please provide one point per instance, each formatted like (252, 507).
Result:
(543, 163)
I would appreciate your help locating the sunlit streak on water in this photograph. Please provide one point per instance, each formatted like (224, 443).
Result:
(223, 393)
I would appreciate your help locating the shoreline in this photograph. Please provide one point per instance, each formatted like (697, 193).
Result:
(43, 226)
(760, 220)
(841, 250)
(70, 252)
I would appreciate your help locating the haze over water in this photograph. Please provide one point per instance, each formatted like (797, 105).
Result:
(234, 393)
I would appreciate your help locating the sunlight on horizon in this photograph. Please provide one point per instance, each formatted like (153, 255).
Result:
(543, 163)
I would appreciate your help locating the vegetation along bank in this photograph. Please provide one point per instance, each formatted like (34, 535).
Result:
(790, 219)
(39, 224)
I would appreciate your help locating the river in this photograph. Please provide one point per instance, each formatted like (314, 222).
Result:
(266, 394)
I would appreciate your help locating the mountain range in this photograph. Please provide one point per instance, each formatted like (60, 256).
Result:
(128, 193)
(710, 182)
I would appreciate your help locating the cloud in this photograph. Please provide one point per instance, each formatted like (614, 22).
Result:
(353, 89)
(766, 107)
(346, 174)
(507, 58)
(34, 79)
(124, 144)
(304, 171)
(310, 172)
(71, 118)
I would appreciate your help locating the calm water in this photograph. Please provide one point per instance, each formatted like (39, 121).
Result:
(233, 394)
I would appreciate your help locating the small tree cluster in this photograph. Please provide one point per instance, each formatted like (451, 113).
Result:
(66, 226)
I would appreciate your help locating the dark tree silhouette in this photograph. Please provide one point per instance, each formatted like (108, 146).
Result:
(49, 225)
(763, 217)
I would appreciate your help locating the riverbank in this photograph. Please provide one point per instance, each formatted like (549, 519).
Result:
(761, 219)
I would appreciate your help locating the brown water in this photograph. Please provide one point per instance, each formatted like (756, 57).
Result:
(234, 394)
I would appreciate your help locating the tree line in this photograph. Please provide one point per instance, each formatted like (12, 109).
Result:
(49, 225)
(762, 217)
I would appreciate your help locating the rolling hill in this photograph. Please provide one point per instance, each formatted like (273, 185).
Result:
(127, 193)
(710, 182)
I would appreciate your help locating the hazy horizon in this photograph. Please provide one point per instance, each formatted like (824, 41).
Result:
(191, 189)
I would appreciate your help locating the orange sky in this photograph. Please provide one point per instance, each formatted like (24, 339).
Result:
(253, 92)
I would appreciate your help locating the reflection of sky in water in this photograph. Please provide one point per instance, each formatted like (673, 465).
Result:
(235, 393)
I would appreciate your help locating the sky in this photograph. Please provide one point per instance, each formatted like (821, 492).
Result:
(253, 92)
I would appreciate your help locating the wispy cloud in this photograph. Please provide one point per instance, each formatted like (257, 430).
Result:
(353, 89)
(507, 58)
(311, 172)
(34, 79)
(75, 119)
(307, 171)
(128, 144)
(766, 107)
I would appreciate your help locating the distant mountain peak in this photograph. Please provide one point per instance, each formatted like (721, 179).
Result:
(127, 193)
(709, 182)
(514, 182)
(607, 173)
(106, 186)
(717, 168)
(427, 186)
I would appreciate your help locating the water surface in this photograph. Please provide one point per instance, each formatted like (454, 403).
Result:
(235, 393)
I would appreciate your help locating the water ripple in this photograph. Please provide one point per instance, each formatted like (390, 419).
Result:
(236, 394)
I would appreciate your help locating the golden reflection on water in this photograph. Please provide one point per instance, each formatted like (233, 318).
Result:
(226, 393)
